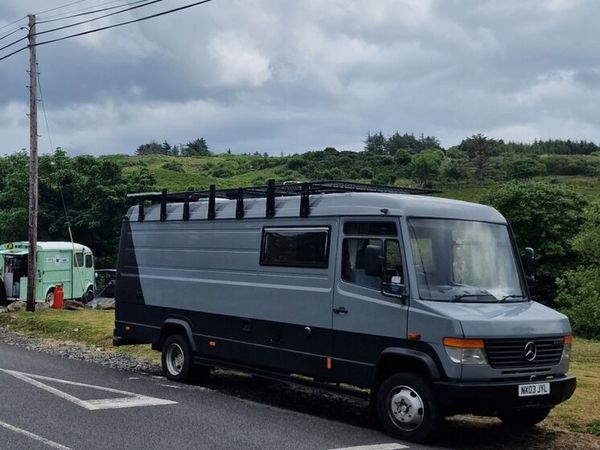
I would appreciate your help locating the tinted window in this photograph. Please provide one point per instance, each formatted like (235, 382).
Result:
(370, 229)
(353, 263)
(88, 261)
(295, 247)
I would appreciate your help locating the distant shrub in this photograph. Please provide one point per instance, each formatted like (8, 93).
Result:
(173, 166)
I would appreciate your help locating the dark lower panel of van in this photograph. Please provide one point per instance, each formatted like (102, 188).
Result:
(318, 352)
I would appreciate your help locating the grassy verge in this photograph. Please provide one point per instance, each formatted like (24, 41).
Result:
(581, 414)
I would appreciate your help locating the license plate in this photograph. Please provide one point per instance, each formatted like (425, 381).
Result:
(527, 390)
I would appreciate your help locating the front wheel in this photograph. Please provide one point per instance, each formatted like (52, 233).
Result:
(524, 418)
(406, 407)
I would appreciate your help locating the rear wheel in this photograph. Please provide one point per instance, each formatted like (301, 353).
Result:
(524, 418)
(177, 361)
(406, 407)
(49, 298)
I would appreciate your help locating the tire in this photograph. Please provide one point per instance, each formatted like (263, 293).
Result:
(87, 297)
(524, 418)
(3, 300)
(406, 407)
(176, 358)
(50, 298)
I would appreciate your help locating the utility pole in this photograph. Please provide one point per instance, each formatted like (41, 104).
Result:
(33, 168)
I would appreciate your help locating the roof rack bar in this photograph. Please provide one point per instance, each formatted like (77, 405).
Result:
(239, 204)
(273, 190)
(163, 205)
(304, 201)
(211, 202)
(141, 211)
(270, 199)
(186, 207)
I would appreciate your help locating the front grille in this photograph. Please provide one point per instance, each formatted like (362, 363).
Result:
(505, 353)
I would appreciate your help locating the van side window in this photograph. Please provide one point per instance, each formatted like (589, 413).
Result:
(89, 262)
(370, 229)
(78, 260)
(353, 262)
(295, 247)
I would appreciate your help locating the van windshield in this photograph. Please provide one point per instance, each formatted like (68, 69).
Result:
(464, 261)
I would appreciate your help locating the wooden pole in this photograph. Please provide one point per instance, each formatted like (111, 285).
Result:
(33, 168)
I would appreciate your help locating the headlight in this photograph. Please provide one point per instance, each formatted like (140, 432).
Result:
(465, 351)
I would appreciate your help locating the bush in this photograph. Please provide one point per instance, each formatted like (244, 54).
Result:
(366, 173)
(173, 166)
(546, 217)
(579, 298)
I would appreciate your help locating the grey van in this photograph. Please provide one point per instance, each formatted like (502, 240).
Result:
(422, 301)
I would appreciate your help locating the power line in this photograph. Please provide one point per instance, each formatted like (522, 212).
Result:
(14, 53)
(13, 43)
(11, 33)
(44, 109)
(80, 13)
(123, 23)
(99, 17)
(60, 7)
(12, 23)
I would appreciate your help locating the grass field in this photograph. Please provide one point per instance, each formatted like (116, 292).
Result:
(581, 414)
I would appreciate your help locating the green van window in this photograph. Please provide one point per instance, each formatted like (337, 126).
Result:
(78, 260)
(89, 261)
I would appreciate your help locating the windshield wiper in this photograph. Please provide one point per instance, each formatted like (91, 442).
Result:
(458, 298)
(506, 297)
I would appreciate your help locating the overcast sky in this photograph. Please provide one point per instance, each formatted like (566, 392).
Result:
(296, 75)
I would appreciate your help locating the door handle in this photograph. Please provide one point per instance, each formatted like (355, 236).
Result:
(340, 310)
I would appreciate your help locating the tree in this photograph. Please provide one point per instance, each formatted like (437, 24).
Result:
(546, 217)
(426, 166)
(480, 149)
(198, 147)
(375, 144)
(151, 148)
(579, 289)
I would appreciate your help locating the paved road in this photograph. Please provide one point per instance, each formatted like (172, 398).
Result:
(38, 411)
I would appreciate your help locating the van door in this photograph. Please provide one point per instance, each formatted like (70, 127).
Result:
(365, 321)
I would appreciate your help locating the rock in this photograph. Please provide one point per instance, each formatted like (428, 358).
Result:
(73, 305)
(39, 306)
(3, 309)
(17, 306)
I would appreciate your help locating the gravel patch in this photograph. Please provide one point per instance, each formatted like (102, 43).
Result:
(75, 350)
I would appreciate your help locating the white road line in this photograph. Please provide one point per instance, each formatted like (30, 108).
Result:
(392, 446)
(129, 400)
(41, 439)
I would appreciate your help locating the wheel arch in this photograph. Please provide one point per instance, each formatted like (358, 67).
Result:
(398, 359)
(176, 326)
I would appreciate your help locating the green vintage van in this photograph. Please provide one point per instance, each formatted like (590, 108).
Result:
(71, 265)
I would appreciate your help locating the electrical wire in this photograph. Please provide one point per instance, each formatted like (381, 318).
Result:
(13, 43)
(60, 7)
(44, 108)
(79, 13)
(97, 18)
(12, 23)
(11, 33)
(152, 16)
(14, 53)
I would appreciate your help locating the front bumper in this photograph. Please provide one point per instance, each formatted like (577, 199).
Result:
(492, 397)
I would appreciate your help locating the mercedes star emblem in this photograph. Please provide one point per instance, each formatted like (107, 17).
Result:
(530, 351)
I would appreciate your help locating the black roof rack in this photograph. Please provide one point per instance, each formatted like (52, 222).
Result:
(270, 192)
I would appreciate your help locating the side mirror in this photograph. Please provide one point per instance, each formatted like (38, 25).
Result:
(373, 260)
(530, 265)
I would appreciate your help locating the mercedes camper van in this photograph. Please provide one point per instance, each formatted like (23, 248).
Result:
(422, 301)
